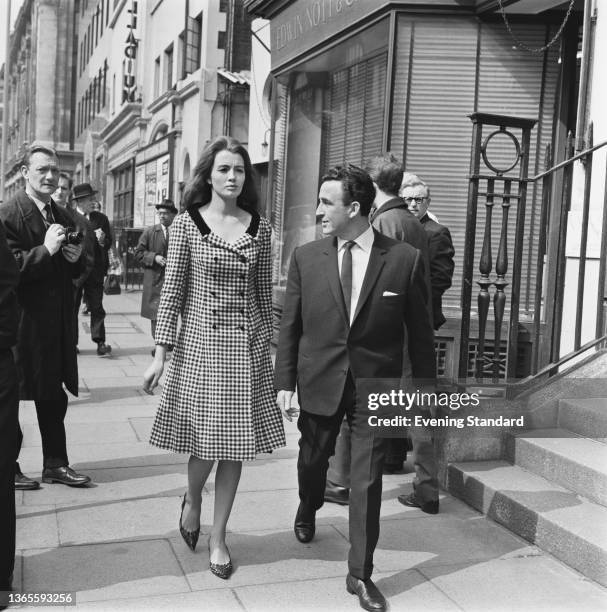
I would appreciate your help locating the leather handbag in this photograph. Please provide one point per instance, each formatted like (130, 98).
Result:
(111, 285)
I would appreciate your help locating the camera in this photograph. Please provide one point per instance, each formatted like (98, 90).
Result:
(73, 236)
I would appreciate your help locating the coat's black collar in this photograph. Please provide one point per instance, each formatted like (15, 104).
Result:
(204, 229)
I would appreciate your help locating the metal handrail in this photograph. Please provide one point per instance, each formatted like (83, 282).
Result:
(566, 162)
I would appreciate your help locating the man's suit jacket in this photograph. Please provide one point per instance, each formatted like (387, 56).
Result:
(45, 353)
(441, 254)
(151, 243)
(317, 345)
(395, 220)
(99, 221)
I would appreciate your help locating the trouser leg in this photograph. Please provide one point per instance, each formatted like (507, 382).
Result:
(367, 459)
(339, 463)
(93, 291)
(316, 445)
(51, 416)
(426, 471)
(9, 448)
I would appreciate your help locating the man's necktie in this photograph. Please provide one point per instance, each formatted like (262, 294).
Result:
(46, 213)
(346, 274)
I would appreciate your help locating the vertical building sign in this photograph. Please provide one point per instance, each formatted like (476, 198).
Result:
(129, 84)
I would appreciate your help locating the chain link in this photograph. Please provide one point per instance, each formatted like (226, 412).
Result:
(521, 44)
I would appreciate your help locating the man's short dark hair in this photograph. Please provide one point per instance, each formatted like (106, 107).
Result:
(356, 183)
(36, 148)
(67, 177)
(386, 172)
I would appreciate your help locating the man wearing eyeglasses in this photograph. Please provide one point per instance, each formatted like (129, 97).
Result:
(416, 195)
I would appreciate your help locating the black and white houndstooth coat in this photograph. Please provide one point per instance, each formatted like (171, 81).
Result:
(218, 400)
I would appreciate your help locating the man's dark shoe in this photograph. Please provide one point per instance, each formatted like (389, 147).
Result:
(23, 483)
(304, 524)
(369, 596)
(64, 475)
(103, 350)
(337, 494)
(429, 507)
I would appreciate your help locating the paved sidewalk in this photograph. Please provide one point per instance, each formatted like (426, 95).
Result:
(116, 543)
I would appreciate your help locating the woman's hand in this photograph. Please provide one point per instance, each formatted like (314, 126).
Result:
(154, 372)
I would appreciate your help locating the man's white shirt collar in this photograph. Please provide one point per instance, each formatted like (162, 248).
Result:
(39, 203)
(364, 240)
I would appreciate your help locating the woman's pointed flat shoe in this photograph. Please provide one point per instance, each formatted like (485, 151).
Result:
(221, 570)
(189, 537)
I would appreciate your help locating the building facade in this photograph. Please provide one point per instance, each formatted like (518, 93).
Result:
(357, 78)
(128, 92)
(39, 96)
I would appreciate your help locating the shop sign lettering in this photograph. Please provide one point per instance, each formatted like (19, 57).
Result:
(129, 83)
(312, 15)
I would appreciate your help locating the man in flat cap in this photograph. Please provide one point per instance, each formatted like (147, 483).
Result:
(151, 253)
(83, 196)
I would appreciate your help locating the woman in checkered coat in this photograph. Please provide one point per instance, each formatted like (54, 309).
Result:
(218, 401)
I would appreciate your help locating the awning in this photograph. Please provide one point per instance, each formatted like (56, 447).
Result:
(239, 78)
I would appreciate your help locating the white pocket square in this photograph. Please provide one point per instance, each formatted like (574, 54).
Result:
(389, 293)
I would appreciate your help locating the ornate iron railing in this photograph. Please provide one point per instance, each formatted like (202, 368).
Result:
(495, 183)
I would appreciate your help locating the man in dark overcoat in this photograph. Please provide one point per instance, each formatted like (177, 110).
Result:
(9, 409)
(348, 301)
(440, 246)
(84, 198)
(45, 353)
(151, 253)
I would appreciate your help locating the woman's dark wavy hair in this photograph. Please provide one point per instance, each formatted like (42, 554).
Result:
(198, 191)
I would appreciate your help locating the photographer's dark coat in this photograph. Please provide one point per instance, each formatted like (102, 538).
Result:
(45, 354)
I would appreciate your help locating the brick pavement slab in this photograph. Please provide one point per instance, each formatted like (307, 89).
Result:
(266, 557)
(37, 525)
(105, 571)
(524, 583)
(84, 433)
(118, 520)
(222, 600)
(115, 485)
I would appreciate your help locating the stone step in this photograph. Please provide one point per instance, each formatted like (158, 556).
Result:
(579, 464)
(560, 522)
(587, 417)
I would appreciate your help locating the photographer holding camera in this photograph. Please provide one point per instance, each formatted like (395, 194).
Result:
(45, 354)
(83, 196)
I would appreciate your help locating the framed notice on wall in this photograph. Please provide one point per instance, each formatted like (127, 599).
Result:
(138, 209)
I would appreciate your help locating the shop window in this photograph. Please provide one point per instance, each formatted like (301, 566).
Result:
(123, 196)
(335, 108)
(157, 77)
(221, 40)
(168, 68)
(193, 42)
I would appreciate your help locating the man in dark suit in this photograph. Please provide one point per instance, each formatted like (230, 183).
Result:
(151, 253)
(440, 246)
(416, 196)
(92, 289)
(9, 409)
(345, 294)
(81, 224)
(390, 216)
(45, 354)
